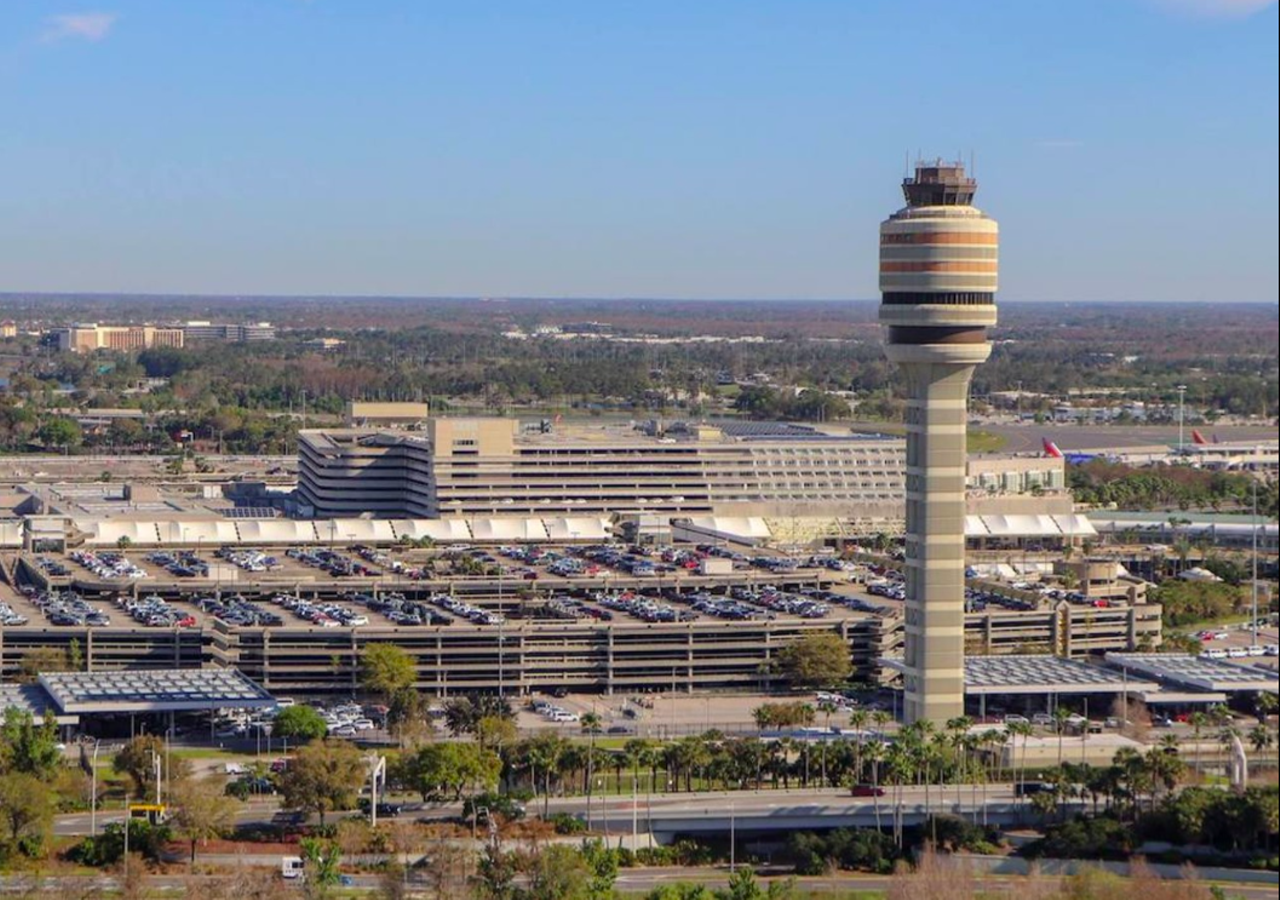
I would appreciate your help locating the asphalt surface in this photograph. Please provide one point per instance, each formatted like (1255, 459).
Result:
(1027, 438)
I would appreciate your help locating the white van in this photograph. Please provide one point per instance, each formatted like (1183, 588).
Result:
(291, 867)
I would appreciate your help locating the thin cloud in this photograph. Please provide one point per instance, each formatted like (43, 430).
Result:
(1216, 9)
(85, 26)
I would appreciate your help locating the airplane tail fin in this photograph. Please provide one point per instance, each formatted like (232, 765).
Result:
(1198, 437)
(1050, 449)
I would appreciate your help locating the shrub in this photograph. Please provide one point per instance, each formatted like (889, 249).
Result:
(564, 823)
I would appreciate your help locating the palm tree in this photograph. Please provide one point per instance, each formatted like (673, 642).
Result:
(1023, 730)
(881, 718)
(875, 754)
(1199, 721)
(1260, 738)
(637, 752)
(1060, 717)
(827, 708)
(858, 722)
(591, 726)
(545, 753)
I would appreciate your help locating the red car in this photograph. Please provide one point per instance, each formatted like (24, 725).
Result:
(866, 790)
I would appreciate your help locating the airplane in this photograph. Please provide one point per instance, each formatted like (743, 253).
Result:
(1198, 438)
(1052, 451)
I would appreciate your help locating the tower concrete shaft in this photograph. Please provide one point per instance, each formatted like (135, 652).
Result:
(938, 261)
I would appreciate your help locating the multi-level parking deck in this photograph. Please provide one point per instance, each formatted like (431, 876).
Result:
(523, 657)
(527, 629)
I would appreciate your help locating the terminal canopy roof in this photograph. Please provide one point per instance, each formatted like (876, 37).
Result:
(153, 690)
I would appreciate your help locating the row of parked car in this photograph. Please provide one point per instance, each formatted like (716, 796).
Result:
(249, 560)
(108, 565)
(332, 562)
(326, 615)
(1240, 652)
(236, 610)
(398, 610)
(52, 567)
(68, 608)
(153, 612)
(553, 712)
(10, 616)
(473, 614)
(184, 564)
(641, 607)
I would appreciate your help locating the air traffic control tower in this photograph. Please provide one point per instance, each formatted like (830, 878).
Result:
(938, 260)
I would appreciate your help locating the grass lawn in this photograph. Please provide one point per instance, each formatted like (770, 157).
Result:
(980, 441)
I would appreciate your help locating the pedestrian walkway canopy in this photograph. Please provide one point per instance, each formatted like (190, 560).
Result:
(1182, 671)
(31, 698)
(987, 675)
(152, 690)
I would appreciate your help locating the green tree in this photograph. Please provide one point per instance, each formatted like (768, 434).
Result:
(322, 777)
(27, 748)
(450, 769)
(602, 863)
(26, 809)
(386, 669)
(137, 760)
(60, 432)
(816, 659)
(743, 885)
(321, 858)
(557, 872)
(299, 724)
(201, 811)
(39, 661)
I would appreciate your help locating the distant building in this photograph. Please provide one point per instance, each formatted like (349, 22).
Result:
(87, 337)
(363, 414)
(8, 329)
(229, 333)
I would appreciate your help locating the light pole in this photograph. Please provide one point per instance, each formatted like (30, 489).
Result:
(379, 769)
(733, 843)
(1253, 593)
(93, 791)
(1182, 395)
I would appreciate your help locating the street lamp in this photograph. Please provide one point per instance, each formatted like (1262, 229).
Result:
(1182, 395)
(93, 791)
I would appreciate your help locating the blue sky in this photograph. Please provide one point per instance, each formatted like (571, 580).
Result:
(653, 148)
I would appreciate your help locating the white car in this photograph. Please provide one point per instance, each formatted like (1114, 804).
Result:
(1257, 650)
(1214, 653)
(1272, 650)
(563, 716)
(1237, 652)
(235, 768)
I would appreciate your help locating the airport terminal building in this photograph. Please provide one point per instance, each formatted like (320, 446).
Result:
(473, 467)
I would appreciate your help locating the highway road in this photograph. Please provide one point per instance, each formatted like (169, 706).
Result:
(619, 807)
